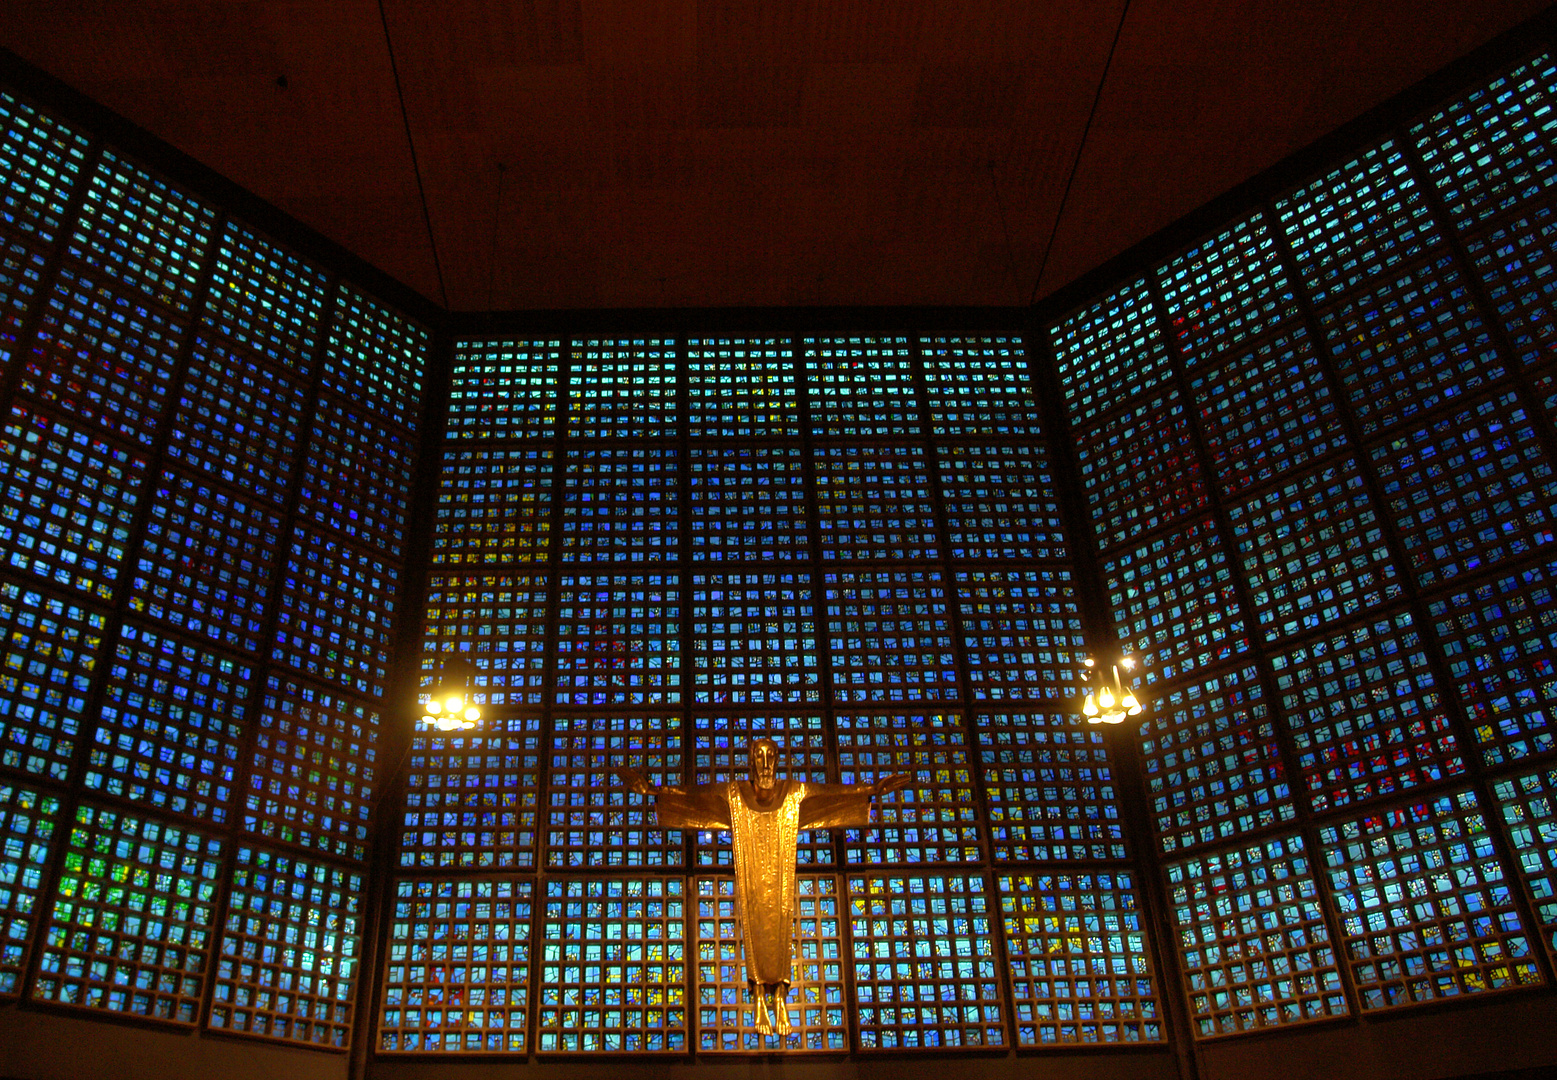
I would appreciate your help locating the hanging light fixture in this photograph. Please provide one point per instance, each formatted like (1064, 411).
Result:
(1112, 701)
(449, 706)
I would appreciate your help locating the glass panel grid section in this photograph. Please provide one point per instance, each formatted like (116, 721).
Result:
(337, 608)
(504, 390)
(1226, 290)
(1252, 939)
(49, 651)
(173, 719)
(29, 822)
(472, 800)
(1140, 470)
(1050, 788)
(620, 505)
(860, 386)
(1021, 634)
(1000, 502)
(1425, 905)
(613, 958)
(1365, 713)
(1080, 971)
(21, 273)
(818, 1016)
(376, 358)
(287, 965)
(925, 974)
(748, 504)
(143, 232)
(1517, 262)
(103, 356)
(1110, 352)
(874, 503)
(494, 506)
(933, 820)
(1213, 767)
(458, 972)
(979, 386)
(1526, 803)
(591, 819)
(133, 918)
(266, 299)
(619, 640)
(889, 636)
(496, 622)
(357, 477)
(623, 388)
(753, 639)
(1470, 490)
(741, 386)
(40, 161)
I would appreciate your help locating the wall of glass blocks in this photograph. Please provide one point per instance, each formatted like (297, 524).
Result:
(1317, 447)
(205, 474)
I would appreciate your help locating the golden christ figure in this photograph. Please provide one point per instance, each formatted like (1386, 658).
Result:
(764, 816)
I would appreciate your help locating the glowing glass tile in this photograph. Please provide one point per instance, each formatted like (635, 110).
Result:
(1175, 602)
(1252, 939)
(1050, 788)
(1080, 970)
(1493, 147)
(40, 161)
(1226, 290)
(1365, 713)
(818, 1017)
(1470, 490)
(238, 421)
(619, 640)
(504, 389)
(1517, 262)
(48, 654)
(889, 637)
(472, 798)
(205, 562)
(1409, 343)
(1140, 470)
(748, 504)
(1000, 502)
(1021, 633)
(1356, 221)
(874, 503)
(925, 973)
(1425, 904)
(357, 477)
(21, 270)
(495, 621)
(337, 606)
(494, 507)
(591, 819)
(1263, 414)
(753, 639)
(67, 499)
(132, 921)
(103, 357)
(741, 386)
(1110, 351)
(1526, 804)
(721, 751)
(613, 967)
(1313, 551)
(286, 967)
(29, 820)
(979, 386)
(266, 299)
(1500, 637)
(934, 819)
(860, 386)
(375, 357)
(313, 774)
(173, 719)
(457, 974)
(623, 388)
(143, 232)
(620, 505)
(1213, 767)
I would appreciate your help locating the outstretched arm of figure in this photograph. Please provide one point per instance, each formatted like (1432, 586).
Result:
(703, 807)
(846, 806)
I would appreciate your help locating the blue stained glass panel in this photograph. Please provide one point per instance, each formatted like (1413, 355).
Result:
(1111, 352)
(29, 820)
(40, 162)
(376, 358)
(741, 386)
(473, 798)
(504, 389)
(1516, 260)
(860, 386)
(49, 650)
(979, 386)
(21, 269)
(357, 477)
(266, 299)
(1226, 290)
(337, 607)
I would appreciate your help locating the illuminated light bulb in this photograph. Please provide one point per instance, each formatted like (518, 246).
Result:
(1129, 704)
(1127, 662)
(434, 707)
(454, 702)
(1105, 699)
(1089, 707)
(472, 714)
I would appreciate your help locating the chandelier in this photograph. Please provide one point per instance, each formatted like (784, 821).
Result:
(1109, 702)
(449, 706)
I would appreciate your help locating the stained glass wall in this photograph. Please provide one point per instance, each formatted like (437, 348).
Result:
(1317, 447)
(205, 475)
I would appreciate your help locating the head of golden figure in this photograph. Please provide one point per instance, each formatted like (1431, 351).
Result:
(764, 763)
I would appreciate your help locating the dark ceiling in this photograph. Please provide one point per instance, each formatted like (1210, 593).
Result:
(710, 153)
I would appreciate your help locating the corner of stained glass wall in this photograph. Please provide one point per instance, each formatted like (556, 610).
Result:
(206, 467)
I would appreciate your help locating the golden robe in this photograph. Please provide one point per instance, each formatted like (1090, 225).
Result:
(764, 839)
